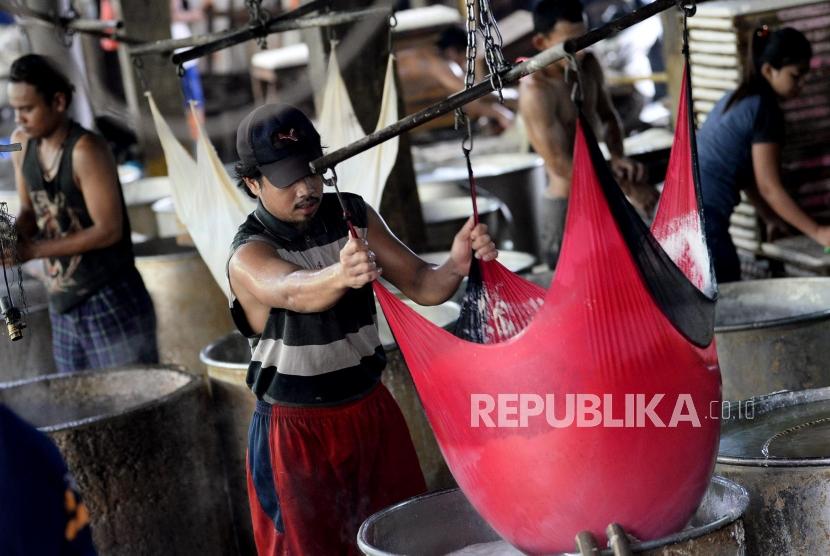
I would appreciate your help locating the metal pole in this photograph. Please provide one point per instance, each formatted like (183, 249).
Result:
(237, 36)
(94, 27)
(325, 20)
(484, 87)
(11, 147)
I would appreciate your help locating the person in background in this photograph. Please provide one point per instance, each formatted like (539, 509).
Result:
(72, 215)
(181, 16)
(739, 146)
(328, 445)
(41, 512)
(441, 67)
(550, 117)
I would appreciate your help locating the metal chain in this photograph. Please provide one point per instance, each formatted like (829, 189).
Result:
(259, 16)
(8, 246)
(492, 47)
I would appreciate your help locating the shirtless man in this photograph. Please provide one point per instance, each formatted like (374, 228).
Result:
(550, 116)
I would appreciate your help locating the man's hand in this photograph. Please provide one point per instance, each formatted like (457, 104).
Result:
(471, 239)
(822, 235)
(626, 169)
(357, 264)
(24, 251)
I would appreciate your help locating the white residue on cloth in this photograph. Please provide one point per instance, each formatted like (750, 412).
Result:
(683, 241)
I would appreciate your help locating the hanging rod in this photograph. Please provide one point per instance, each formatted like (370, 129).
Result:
(252, 31)
(485, 86)
(333, 18)
(93, 27)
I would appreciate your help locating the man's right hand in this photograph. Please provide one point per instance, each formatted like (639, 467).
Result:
(357, 264)
(823, 235)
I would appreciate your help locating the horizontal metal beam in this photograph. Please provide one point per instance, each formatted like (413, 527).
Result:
(325, 20)
(93, 27)
(236, 36)
(485, 87)
(11, 148)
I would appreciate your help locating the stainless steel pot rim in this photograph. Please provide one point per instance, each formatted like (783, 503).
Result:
(824, 314)
(192, 382)
(682, 536)
(207, 360)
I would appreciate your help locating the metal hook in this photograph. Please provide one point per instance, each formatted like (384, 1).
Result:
(573, 67)
(331, 181)
(689, 7)
(393, 22)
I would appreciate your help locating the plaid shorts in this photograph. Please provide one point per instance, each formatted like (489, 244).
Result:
(113, 327)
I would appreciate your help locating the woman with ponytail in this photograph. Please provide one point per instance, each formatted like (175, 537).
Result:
(739, 146)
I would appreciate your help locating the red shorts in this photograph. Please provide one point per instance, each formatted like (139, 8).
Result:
(315, 474)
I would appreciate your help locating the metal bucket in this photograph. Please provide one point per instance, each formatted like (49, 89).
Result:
(139, 196)
(778, 447)
(516, 179)
(233, 405)
(32, 355)
(141, 444)
(773, 335)
(445, 523)
(191, 309)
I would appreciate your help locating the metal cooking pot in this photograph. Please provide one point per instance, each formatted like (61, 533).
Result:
(445, 523)
(773, 335)
(778, 447)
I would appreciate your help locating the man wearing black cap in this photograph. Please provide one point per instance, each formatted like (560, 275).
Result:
(328, 446)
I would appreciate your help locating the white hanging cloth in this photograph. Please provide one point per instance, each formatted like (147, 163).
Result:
(366, 173)
(206, 200)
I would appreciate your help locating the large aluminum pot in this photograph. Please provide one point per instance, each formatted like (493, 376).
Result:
(227, 361)
(32, 355)
(141, 444)
(778, 447)
(192, 311)
(516, 179)
(445, 523)
(773, 335)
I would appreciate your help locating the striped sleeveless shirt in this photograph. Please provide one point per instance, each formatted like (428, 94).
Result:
(323, 358)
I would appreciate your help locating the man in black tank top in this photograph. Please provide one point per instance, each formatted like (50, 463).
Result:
(72, 215)
(328, 446)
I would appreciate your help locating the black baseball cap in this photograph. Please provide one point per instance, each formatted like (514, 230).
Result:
(279, 140)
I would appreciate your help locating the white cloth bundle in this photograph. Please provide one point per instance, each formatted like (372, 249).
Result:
(366, 173)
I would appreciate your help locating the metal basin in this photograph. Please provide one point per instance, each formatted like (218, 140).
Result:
(778, 447)
(445, 523)
(516, 179)
(32, 355)
(444, 217)
(773, 335)
(140, 442)
(191, 309)
(227, 361)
